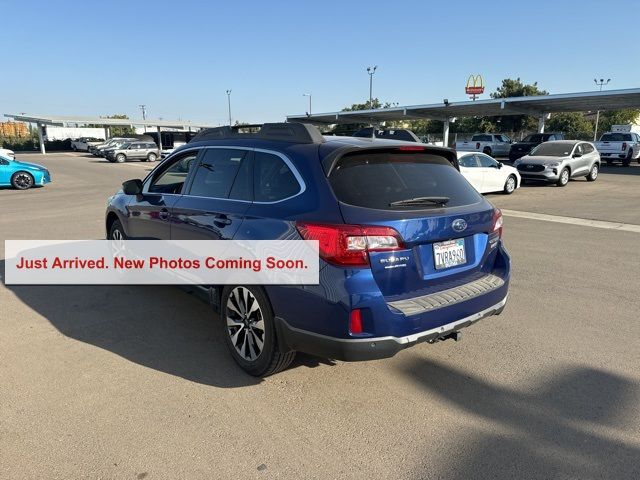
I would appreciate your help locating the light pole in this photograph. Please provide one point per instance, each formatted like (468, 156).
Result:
(371, 71)
(600, 84)
(308, 95)
(144, 115)
(229, 104)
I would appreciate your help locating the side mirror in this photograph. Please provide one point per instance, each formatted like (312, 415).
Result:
(132, 187)
(499, 165)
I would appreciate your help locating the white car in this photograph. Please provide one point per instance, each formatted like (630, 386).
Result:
(488, 175)
(5, 152)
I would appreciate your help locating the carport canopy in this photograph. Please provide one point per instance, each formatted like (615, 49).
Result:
(65, 121)
(540, 106)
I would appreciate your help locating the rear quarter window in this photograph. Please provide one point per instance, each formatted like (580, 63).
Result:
(375, 180)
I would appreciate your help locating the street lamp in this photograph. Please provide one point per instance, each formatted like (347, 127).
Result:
(308, 95)
(371, 71)
(229, 104)
(600, 84)
(144, 115)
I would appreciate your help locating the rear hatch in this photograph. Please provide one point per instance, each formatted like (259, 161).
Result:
(444, 224)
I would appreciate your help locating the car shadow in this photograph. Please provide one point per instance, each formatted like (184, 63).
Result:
(618, 169)
(162, 327)
(565, 425)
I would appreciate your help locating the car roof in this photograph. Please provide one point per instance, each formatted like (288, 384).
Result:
(568, 142)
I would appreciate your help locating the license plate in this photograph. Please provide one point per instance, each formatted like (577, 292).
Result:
(449, 254)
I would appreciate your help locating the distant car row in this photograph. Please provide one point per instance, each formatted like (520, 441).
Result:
(119, 150)
(620, 145)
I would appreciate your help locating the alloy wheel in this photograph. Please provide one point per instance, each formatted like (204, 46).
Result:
(594, 172)
(511, 184)
(23, 181)
(245, 323)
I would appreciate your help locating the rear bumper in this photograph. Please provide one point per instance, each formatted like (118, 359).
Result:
(358, 349)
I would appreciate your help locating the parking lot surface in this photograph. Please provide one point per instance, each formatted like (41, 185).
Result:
(136, 382)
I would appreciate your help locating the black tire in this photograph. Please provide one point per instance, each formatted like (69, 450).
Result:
(510, 185)
(74, 148)
(486, 151)
(121, 158)
(593, 173)
(564, 177)
(152, 157)
(22, 180)
(116, 232)
(243, 333)
(626, 161)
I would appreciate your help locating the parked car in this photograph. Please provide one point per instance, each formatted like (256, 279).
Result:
(83, 144)
(523, 147)
(488, 175)
(493, 144)
(22, 175)
(409, 251)
(101, 151)
(98, 150)
(619, 147)
(144, 151)
(560, 160)
(5, 152)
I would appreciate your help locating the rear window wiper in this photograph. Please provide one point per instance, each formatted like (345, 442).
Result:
(420, 201)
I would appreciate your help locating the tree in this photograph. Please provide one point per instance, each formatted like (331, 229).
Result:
(515, 88)
(617, 117)
(573, 125)
(118, 130)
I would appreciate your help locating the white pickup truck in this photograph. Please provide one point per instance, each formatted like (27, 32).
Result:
(82, 144)
(619, 145)
(493, 144)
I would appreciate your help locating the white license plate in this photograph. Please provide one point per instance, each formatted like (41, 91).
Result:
(449, 254)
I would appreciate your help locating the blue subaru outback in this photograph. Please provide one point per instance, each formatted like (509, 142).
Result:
(409, 251)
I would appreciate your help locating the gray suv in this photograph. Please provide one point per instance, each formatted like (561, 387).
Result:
(558, 161)
(145, 151)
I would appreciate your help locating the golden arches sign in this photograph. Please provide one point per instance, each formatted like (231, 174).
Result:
(475, 85)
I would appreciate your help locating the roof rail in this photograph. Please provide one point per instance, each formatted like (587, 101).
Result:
(284, 132)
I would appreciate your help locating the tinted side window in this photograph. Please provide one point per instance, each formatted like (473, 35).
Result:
(171, 178)
(486, 162)
(273, 180)
(587, 148)
(468, 161)
(216, 172)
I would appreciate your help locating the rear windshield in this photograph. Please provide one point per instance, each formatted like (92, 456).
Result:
(375, 180)
(616, 137)
(537, 137)
(552, 149)
(481, 138)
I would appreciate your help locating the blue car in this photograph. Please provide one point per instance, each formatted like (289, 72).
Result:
(22, 175)
(409, 251)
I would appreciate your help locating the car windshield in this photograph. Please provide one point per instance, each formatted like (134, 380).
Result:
(616, 137)
(536, 138)
(552, 149)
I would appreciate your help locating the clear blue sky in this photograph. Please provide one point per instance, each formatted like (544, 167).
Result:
(179, 57)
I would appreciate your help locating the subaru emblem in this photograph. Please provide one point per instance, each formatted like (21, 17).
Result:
(529, 166)
(459, 224)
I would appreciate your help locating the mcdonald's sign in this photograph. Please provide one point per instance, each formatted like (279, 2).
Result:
(475, 85)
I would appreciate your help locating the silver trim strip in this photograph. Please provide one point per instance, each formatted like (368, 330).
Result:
(443, 329)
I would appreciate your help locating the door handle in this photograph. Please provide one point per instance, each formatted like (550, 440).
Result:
(164, 214)
(221, 220)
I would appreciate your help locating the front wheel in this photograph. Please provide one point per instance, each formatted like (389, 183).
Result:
(120, 158)
(22, 180)
(152, 157)
(250, 331)
(564, 178)
(593, 173)
(486, 151)
(510, 185)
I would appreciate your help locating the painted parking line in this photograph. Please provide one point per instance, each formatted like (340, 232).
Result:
(583, 222)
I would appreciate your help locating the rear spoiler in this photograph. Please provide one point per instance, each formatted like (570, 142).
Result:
(447, 154)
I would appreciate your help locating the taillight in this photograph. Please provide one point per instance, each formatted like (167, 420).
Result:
(496, 228)
(349, 245)
(478, 146)
(624, 146)
(410, 148)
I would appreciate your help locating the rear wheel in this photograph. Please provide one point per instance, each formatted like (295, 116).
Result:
(22, 180)
(510, 185)
(627, 160)
(250, 331)
(564, 178)
(593, 173)
(120, 158)
(486, 151)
